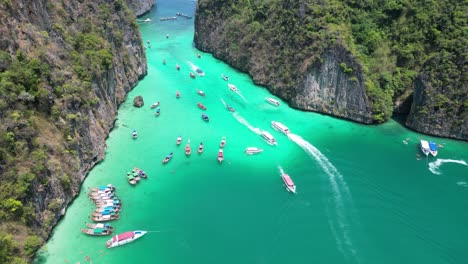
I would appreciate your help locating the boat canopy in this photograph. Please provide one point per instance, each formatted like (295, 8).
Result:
(267, 135)
(288, 180)
(98, 230)
(123, 236)
(432, 146)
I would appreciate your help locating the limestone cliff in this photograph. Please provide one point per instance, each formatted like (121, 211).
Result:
(65, 68)
(140, 7)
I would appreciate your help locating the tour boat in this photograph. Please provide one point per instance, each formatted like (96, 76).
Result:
(253, 150)
(107, 208)
(223, 142)
(280, 127)
(188, 150)
(158, 112)
(134, 134)
(433, 148)
(200, 148)
(230, 108)
(200, 92)
(108, 187)
(224, 77)
(96, 231)
(124, 238)
(131, 179)
(168, 158)
(268, 137)
(106, 226)
(272, 101)
(288, 182)
(232, 87)
(425, 147)
(105, 218)
(108, 212)
(155, 105)
(205, 117)
(177, 67)
(199, 72)
(140, 172)
(201, 106)
(220, 155)
(192, 75)
(179, 140)
(177, 94)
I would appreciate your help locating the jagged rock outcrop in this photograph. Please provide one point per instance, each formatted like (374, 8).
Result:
(76, 61)
(138, 101)
(435, 109)
(140, 7)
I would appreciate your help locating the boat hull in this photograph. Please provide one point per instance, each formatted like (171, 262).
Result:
(111, 243)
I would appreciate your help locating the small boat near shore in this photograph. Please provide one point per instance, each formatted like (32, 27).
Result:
(288, 182)
(192, 75)
(168, 158)
(188, 150)
(205, 117)
(272, 101)
(177, 67)
(199, 72)
(200, 148)
(154, 105)
(222, 143)
(124, 238)
(167, 18)
(268, 138)
(201, 106)
(179, 140)
(183, 15)
(107, 187)
(226, 78)
(177, 94)
(425, 147)
(107, 226)
(232, 87)
(433, 148)
(105, 218)
(200, 92)
(134, 134)
(131, 179)
(96, 231)
(280, 127)
(157, 112)
(252, 150)
(220, 155)
(140, 172)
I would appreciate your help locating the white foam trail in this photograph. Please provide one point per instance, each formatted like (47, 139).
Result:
(224, 103)
(244, 122)
(243, 98)
(340, 189)
(434, 166)
(281, 170)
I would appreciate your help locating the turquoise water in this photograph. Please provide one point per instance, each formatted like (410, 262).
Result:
(364, 193)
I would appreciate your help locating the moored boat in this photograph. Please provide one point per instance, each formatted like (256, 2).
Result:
(192, 75)
(288, 182)
(198, 55)
(98, 214)
(124, 238)
(220, 155)
(272, 101)
(199, 72)
(200, 148)
(156, 104)
(106, 226)
(253, 150)
(108, 187)
(433, 148)
(205, 117)
(168, 158)
(177, 94)
(107, 209)
(188, 150)
(268, 138)
(425, 147)
(96, 231)
(134, 134)
(140, 172)
(157, 112)
(226, 78)
(131, 179)
(200, 92)
(222, 143)
(232, 87)
(105, 218)
(177, 67)
(280, 127)
(201, 106)
(179, 140)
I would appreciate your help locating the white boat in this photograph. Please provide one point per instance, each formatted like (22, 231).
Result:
(199, 72)
(124, 238)
(223, 142)
(252, 150)
(268, 138)
(288, 182)
(272, 101)
(433, 148)
(156, 104)
(134, 134)
(280, 127)
(226, 78)
(425, 147)
(232, 87)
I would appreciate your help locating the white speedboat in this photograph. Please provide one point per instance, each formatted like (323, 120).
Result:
(425, 147)
(272, 101)
(156, 104)
(199, 72)
(280, 127)
(134, 134)
(226, 78)
(252, 150)
(268, 138)
(124, 238)
(288, 182)
(232, 87)
(222, 143)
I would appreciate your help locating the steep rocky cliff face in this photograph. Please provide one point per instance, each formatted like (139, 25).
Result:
(355, 60)
(140, 7)
(432, 112)
(65, 68)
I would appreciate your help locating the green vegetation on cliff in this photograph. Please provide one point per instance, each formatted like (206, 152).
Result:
(391, 40)
(53, 69)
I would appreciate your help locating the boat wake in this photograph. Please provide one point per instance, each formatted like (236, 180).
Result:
(245, 123)
(338, 220)
(241, 96)
(434, 166)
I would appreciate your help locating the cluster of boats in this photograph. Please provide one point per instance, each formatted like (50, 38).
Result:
(108, 205)
(183, 15)
(429, 147)
(135, 176)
